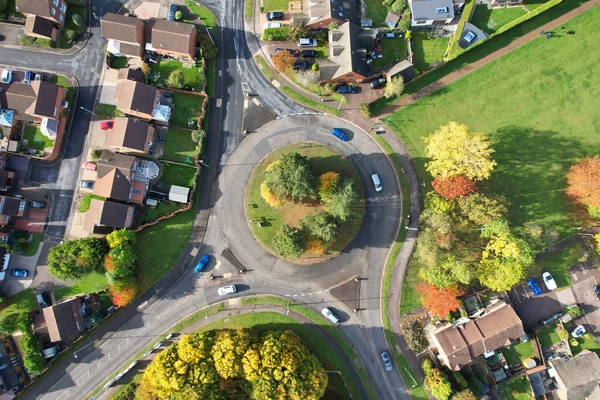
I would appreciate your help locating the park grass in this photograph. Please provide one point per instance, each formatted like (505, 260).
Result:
(558, 264)
(32, 245)
(410, 300)
(22, 302)
(275, 5)
(193, 77)
(309, 102)
(89, 283)
(490, 21)
(516, 389)
(537, 105)
(517, 353)
(163, 208)
(586, 342)
(186, 107)
(377, 12)
(179, 146)
(35, 139)
(85, 202)
(548, 336)
(426, 51)
(108, 110)
(264, 68)
(202, 12)
(531, 5)
(322, 160)
(393, 50)
(61, 81)
(180, 175)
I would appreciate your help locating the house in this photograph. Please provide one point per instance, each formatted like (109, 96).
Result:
(320, 13)
(460, 342)
(347, 56)
(577, 378)
(40, 27)
(65, 321)
(404, 69)
(6, 177)
(105, 216)
(35, 101)
(431, 12)
(11, 208)
(115, 179)
(53, 10)
(141, 100)
(125, 35)
(12, 372)
(170, 38)
(130, 135)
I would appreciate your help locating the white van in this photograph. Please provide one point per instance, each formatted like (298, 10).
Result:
(376, 182)
(327, 313)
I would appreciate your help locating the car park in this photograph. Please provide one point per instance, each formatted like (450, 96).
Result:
(578, 331)
(327, 313)
(339, 134)
(307, 42)
(376, 182)
(19, 273)
(535, 288)
(203, 262)
(387, 362)
(6, 76)
(597, 290)
(172, 11)
(310, 53)
(549, 281)
(300, 65)
(343, 89)
(275, 16)
(377, 83)
(225, 290)
(87, 184)
(36, 204)
(269, 25)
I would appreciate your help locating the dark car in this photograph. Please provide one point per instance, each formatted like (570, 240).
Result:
(19, 273)
(310, 53)
(377, 83)
(275, 16)
(201, 264)
(535, 288)
(87, 184)
(597, 290)
(295, 53)
(36, 204)
(301, 65)
(339, 134)
(172, 11)
(346, 89)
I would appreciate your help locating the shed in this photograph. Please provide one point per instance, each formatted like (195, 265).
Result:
(392, 19)
(179, 194)
(403, 68)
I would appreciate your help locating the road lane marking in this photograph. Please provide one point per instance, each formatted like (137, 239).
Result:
(319, 292)
(227, 275)
(310, 294)
(84, 378)
(218, 265)
(303, 294)
(141, 330)
(162, 314)
(287, 295)
(103, 362)
(275, 83)
(124, 342)
(64, 395)
(246, 103)
(295, 295)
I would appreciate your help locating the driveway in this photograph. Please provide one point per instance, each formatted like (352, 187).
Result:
(534, 309)
(12, 284)
(585, 276)
(11, 33)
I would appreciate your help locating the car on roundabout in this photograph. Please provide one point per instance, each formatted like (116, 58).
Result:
(203, 262)
(327, 313)
(339, 134)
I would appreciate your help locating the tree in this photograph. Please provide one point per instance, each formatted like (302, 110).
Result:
(413, 330)
(283, 61)
(291, 177)
(128, 391)
(269, 197)
(481, 209)
(439, 301)
(197, 135)
(297, 32)
(228, 351)
(288, 241)
(427, 251)
(404, 24)
(447, 273)
(365, 110)
(454, 186)
(146, 69)
(343, 204)
(465, 395)
(78, 20)
(122, 296)
(436, 381)
(178, 15)
(75, 258)
(176, 80)
(454, 151)
(394, 87)
(398, 6)
(328, 185)
(320, 225)
(583, 181)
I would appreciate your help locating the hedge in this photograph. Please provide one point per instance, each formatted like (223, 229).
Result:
(270, 34)
(464, 18)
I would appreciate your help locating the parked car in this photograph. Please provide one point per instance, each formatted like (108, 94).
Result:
(87, 184)
(327, 313)
(307, 42)
(201, 264)
(469, 36)
(106, 125)
(29, 76)
(535, 288)
(339, 134)
(37, 204)
(549, 281)
(6, 76)
(377, 83)
(273, 25)
(225, 290)
(172, 11)
(89, 165)
(579, 331)
(39, 77)
(295, 53)
(346, 89)
(376, 182)
(387, 362)
(42, 301)
(275, 16)
(597, 290)
(310, 53)
(19, 273)
(300, 65)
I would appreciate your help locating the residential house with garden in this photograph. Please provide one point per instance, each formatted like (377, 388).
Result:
(577, 378)
(104, 216)
(172, 39)
(460, 342)
(43, 17)
(10, 209)
(66, 320)
(320, 13)
(12, 372)
(125, 35)
(41, 27)
(431, 12)
(130, 135)
(348, 61)
(141, 100)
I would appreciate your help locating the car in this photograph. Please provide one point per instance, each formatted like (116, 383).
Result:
(327, 313)
(549, 281)
(225, 290)
(535, 288)
(106, 125)
(42, 300)
(300, 65)
(89, 165)
(579, 331)
(273, 25)
(29, 76)
(346, 89)
(39, 77)
(307, 42)
(469, 36)
(310, 53)
(172, 11)
(292, 52)
(377, 83)
(387, 362)
(36, 204)
(597, 290)
(6, 76)
(339, 134)
(376, 182)
(201, 263)
(19, 273)
(275, 16)
(87, 184)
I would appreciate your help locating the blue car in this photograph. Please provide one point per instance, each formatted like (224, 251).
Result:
(201, 264)
(172, 11)
(19, 273)
(339, 134)
(535, 288)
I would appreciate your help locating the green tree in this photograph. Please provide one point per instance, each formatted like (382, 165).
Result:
(288, 241)
(228, 351)
(465, 395)
(320, 225)
(75, 258)
(333, 25)
(128, 391)
(328, 185)
(404, 24)
(427, 252)
(291, 177)
(436, 381)
(413, 330)
(447, 273)
(395, 86)
(398, 6)
(176, 80)
(78, 20)
(345, 202)
(297, 32)
(482, 209)
(178, 15)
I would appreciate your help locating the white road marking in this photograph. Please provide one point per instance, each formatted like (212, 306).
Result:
(319, 292)
(246, 103)
(104, 360)
(227, 275)
(275, 83)
(310, 294)
(141, 330)
(255, 101)
(162, 314)
(123, 343)
(287, 295)
(303, 294)
(218, 103)
(218, 265)
(64, 395)
(295, 295)
(84, 378)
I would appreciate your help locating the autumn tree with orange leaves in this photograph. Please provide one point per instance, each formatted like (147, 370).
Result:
(454, 186)
(583, 184)
(438, 301)
(283, 61)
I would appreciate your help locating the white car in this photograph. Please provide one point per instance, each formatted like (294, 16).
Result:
(307, 42)
(7, 76)
(225, 290)
(327, 313)
(578, 332)
(273, 25)
(376, 182)
(549, 281)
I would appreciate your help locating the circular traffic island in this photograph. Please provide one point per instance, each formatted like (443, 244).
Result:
(304, 203)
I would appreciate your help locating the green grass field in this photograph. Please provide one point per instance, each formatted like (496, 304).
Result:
(586, 342)
(531, 5)
(204, 14)
(180, 175)
(377, 12)
(548, 336)
(179, 146)
(538, 105)
(61, 81)
(193, 77)
(162, 209)
(89, 283)
(394, 50)
(24, 301)
(186, 107)
(490, 21)
(108, 110)
(300, 98)
(427, 51)
(35, 139)
(33, 245)
(275, 5)
(517, 353)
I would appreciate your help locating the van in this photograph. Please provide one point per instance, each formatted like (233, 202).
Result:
(376, 182)
(327, 313)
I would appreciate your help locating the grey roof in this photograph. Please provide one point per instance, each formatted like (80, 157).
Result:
(479, 35)
(342, 10)
(7, 371)
(580, 375)
(423, 10)
(346, 51)
(403, 68)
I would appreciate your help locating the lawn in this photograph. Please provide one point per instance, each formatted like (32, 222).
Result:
(204, 14)
(516, 389)
(538, 106)
(193, 77)
(32, 245)
(179, 146)
(427, 51)
(586, 342)
(377, 12)
(531, 5)
(35, 139)
(393, 50)
(558, 263)
(300, 98)
(162, 209)
(515, 354)
(180, 175)
(85, 202)
(317, 89)
(262, 64)
(90, 283)
(24, 301)
(410, 299)
(322, 160)
(548, 336)
(118, 62)
(186, 107)
(108, 110)
(61, 81)
(491, 20)
(274, 5)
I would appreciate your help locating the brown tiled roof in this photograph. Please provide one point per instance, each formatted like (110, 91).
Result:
(451, 343)
(114, 176)
(61, 322)
(122, 28)
(127, 132)
(131, 74)
(170, 35)
(46, 97)
(9, 206)
(138, 191)
(37, 98)
(131, 49)
(20, 96)
(109, 161)
(40, 26)
(37, 7)
(342, 10)
(106, 213)
(136, 96)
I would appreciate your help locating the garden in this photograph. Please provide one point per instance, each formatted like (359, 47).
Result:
(490, 20)
(427, 49)
(194, 78)
(187, 109)
(179, 146)
(36, 139)
(274, 5)
(176, 174)
(76, 23)
(393, 50)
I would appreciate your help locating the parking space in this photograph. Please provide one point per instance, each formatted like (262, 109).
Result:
(12, 284)
(109, 87)
(534, 309)
(584, 277)
(11, 34)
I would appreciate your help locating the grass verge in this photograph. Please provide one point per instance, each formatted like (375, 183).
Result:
(309, 102)
(264, 68)
(85, 202)
(90, 283)
(32, 245)
(108, 111)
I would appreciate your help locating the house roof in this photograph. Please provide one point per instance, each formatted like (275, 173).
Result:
(392, 18)
(122, 28)
(37, 7)
(423, 10)
(338, 9)
(580, 375)
(106, 213)
(128, 132)
(114, 176)
(20, 96)
(60, 320)
(346, 51)
(136, 96)
(9, 206)
(403, 68)
(36, 98)
(131, 74)
(170, 35)
(40, 26)
(9, 376)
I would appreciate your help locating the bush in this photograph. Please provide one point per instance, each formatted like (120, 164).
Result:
(96, 154)
(330, 87)
(306, 78)
(178, 15)
(297, 32)
(283, 61)
(271, 34)
(575, 312)
(288, 241)
(404, 24)
(413, 331)
(562, 333)
(175, 80)
(332, 26)
(146, 69)
(365, 110)
(573, 342)
(398, 6)
(314, 67)
(70, 34)
(27, 40)
(80, 22)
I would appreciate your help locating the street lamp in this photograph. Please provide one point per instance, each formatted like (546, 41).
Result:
(85, 109)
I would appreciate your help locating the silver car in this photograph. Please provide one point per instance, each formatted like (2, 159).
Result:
(327, 313)
(387, 362)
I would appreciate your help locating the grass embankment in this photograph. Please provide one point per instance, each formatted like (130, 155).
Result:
(309, 102)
